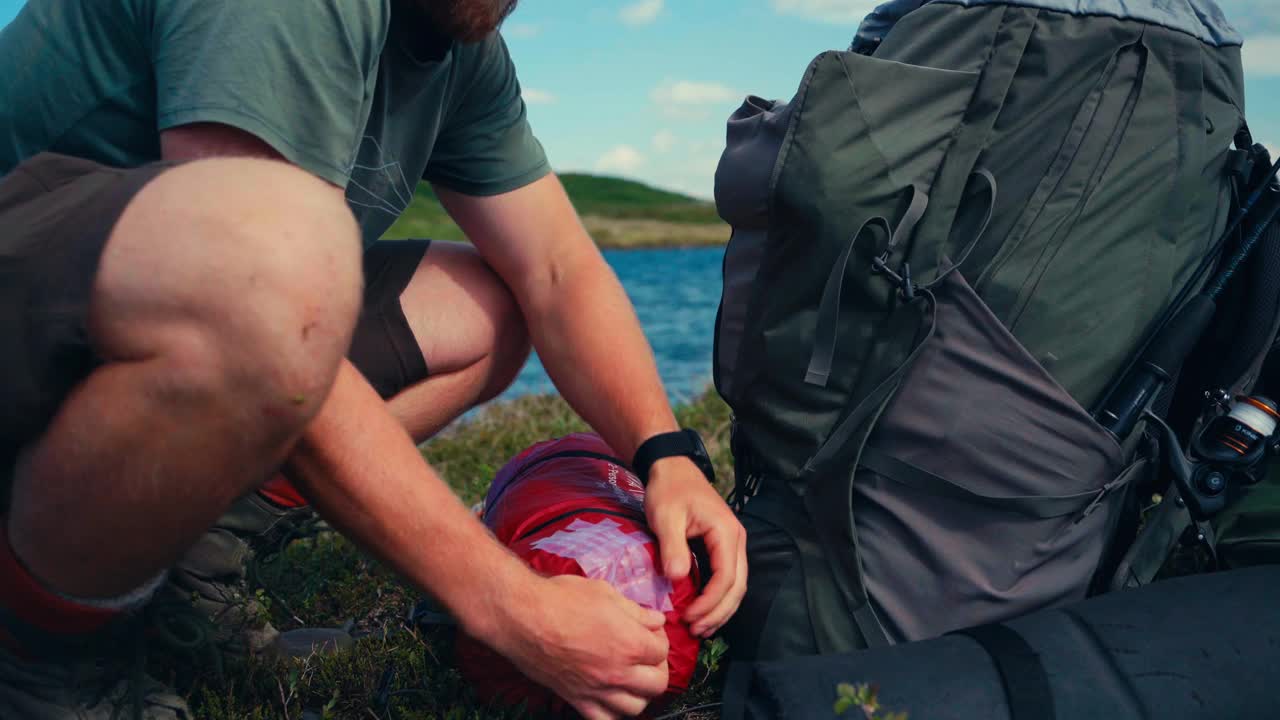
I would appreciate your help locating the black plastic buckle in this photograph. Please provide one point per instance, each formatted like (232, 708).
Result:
(906, 286)
(1239, 168)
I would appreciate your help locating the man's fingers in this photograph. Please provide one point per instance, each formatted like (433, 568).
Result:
(721, 613)
(642, 684)
(592, 710)
(654, 652)
(671, 529)
(650, 619)
(648, 681)
(629, 697)
(624, 704)
(743, 574)
(724, 544)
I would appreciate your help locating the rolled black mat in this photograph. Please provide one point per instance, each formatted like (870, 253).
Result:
(1199, 647)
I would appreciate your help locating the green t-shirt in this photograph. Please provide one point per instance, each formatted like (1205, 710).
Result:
(333, 85)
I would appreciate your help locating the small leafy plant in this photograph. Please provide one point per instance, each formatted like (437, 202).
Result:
(862, 697)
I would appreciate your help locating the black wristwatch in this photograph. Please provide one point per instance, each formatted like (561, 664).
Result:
(685, 443)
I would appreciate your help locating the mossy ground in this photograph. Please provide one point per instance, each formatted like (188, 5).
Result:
(397, 670)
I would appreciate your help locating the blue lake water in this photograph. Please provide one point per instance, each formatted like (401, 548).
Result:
(675, 293)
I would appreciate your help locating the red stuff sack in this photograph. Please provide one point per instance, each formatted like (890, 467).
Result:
(568, 507)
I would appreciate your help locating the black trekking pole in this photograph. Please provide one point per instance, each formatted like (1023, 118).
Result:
(1240, 432)
(1174, 339)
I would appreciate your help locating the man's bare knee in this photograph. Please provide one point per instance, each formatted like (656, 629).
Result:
(247, 269)
(511, 347)
(461, 311)
(503, 345)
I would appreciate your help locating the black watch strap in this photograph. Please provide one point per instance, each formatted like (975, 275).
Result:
(686, 443)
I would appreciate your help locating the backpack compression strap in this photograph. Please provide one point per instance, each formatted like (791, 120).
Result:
(1026, 685)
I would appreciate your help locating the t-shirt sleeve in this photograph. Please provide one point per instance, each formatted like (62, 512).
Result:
(486, 146)
(298, 75)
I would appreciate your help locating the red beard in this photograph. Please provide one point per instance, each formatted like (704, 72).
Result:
(466, 20)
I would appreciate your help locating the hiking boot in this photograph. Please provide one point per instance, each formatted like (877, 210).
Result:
(217, 577)
(83, 690)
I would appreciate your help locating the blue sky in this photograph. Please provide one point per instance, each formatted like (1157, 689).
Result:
(641, 88)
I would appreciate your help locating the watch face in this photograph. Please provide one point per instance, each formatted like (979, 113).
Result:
(696, 440)
(700, 456)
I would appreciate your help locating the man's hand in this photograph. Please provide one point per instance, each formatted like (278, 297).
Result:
(681, 504)
(602, 653)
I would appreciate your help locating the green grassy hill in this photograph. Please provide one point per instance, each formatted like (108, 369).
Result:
(618, 213)
(618, 198)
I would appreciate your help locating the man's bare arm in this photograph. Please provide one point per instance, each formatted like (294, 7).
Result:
(588, 337)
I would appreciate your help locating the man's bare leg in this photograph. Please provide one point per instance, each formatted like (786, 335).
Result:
(224, 303)
(471, 333)
(472, 337)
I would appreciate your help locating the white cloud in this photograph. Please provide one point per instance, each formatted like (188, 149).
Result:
(665, 141)
(521, 30)
(828, 11)
(685, 92)
(688, 100)
(642, 12)
(537, 97)
(620, 159)
(695, 177)
(1262, 55)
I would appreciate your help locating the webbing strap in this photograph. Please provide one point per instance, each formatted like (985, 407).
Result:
(994, 192)
(1036, 506)
(1026, 684)
(902, 233)
(1151, 548)
(828, 329)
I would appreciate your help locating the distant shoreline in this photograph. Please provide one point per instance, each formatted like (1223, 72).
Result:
(618, 214)
(629, 234)
(624, 235)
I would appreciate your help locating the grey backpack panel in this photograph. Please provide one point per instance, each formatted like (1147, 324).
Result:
(952, 511)
(918, 439)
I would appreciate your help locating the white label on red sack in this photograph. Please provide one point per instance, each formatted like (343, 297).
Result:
(621, 559)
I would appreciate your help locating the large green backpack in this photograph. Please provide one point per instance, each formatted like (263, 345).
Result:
(945, 247)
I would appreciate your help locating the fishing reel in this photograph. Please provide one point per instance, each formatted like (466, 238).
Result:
(1234, 439)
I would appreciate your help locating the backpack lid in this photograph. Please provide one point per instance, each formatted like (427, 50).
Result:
(1202, 19)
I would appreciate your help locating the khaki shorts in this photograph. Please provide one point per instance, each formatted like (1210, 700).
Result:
(56, 213)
